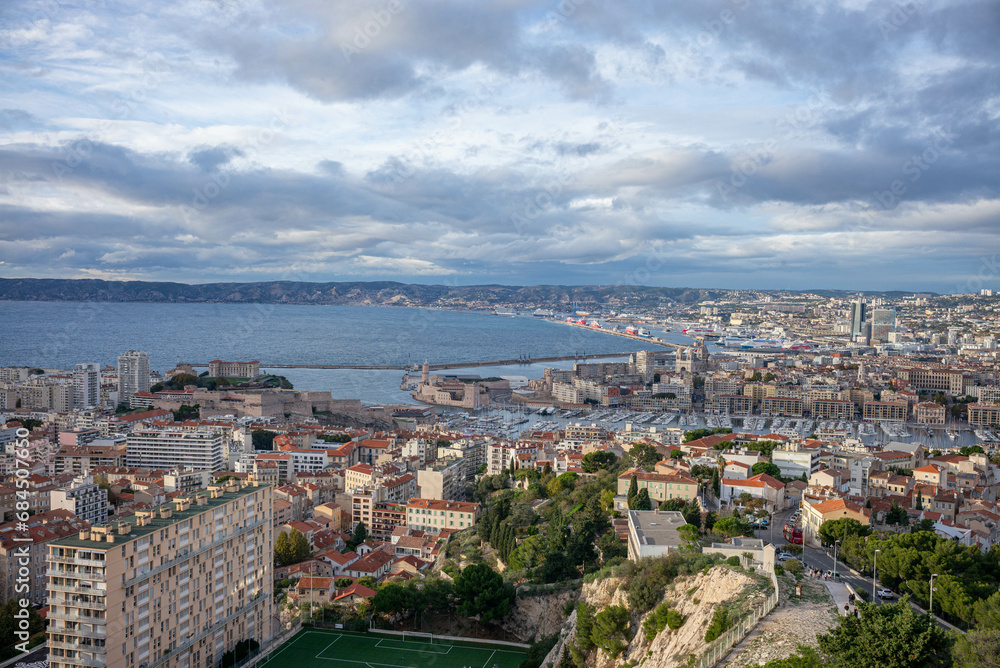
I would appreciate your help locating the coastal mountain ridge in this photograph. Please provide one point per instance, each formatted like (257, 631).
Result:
(363, 293)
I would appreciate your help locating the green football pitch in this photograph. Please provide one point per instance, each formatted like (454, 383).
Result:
(339, 649)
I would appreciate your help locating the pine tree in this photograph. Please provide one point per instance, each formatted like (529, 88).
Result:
(920, 500)
(633, 489)
(716, 484)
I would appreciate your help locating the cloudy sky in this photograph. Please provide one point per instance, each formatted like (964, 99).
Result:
(717, 143)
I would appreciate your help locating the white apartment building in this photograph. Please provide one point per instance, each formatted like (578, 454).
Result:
(86, 385)
(133, 374)
(171, 449)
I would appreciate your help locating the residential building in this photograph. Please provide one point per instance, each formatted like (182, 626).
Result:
(433, 515)
(886, 411)
(987, 415)
(760, 486)
(660, 486)
(133, 374)
(833, 409)
(176, 587)
(24, 545)
(86, 385)
(795, 459)
(654, 533)
(782, 406)
(814, 514)
(84, 498)
(170, 449)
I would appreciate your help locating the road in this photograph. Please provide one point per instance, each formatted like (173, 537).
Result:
(813, 557)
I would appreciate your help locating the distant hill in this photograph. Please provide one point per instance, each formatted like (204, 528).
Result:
(386, 293)
(373, 293)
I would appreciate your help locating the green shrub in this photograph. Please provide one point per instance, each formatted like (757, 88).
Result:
(779, 569)
(675, 620)
(610, 627)
(721, 623)
(793, 566)
(733, 561)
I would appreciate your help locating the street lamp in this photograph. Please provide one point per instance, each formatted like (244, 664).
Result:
(931, 606)
(874, 571)
(835, 544)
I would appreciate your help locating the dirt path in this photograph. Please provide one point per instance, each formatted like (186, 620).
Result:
(792, 623)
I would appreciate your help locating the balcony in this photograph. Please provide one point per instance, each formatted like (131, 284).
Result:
(62, 573)
(100, 661)
(77, 589)
(75, 646)
(75, 617)
(99, 563)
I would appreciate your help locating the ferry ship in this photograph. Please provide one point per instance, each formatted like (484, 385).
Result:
(632, 330)
(594, 323)
(703, 331)
(542, 313)
(643, 333)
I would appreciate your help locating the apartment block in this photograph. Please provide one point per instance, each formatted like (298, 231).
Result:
(28, 540)
(984, 414)
(730, 404)
(133, 374)
(833, 409)
(433, 515)
(176, 588)
(887, 411)
(171, 449)
(84, 498)
(784, 406)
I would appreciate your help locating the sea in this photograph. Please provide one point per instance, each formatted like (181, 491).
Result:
(60, 334)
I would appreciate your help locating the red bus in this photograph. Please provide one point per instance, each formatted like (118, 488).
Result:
(793, 534)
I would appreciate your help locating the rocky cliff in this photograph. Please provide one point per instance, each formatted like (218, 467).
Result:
(696, 597)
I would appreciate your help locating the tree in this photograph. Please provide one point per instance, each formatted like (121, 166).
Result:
(897, 515)
(833, 530)
(611, 546)
(979, 648)
(359, 536)
(300, 546)
(641, 501)
(732, 526)
(644, 456)
(766, 467)
(599, 459)
(609, 631)
(886, 636)
(676, 454)
(920, 500)
(391, 598)
(481, 591)
(440, 595)
(716, 483)
(584, 625)
(284, 553)
(633, 489)
(263, 439)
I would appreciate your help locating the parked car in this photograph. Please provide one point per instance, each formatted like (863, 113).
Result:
(784, 556)
(831, 575)
(885, 594)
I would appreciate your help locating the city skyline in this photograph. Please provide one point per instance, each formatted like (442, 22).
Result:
(726, 144)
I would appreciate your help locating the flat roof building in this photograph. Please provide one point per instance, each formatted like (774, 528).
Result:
(653, 533)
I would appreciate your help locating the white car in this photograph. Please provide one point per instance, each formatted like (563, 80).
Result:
(784, 556)
(885, 594)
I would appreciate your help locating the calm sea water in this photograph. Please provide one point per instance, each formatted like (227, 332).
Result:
(60, 334)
